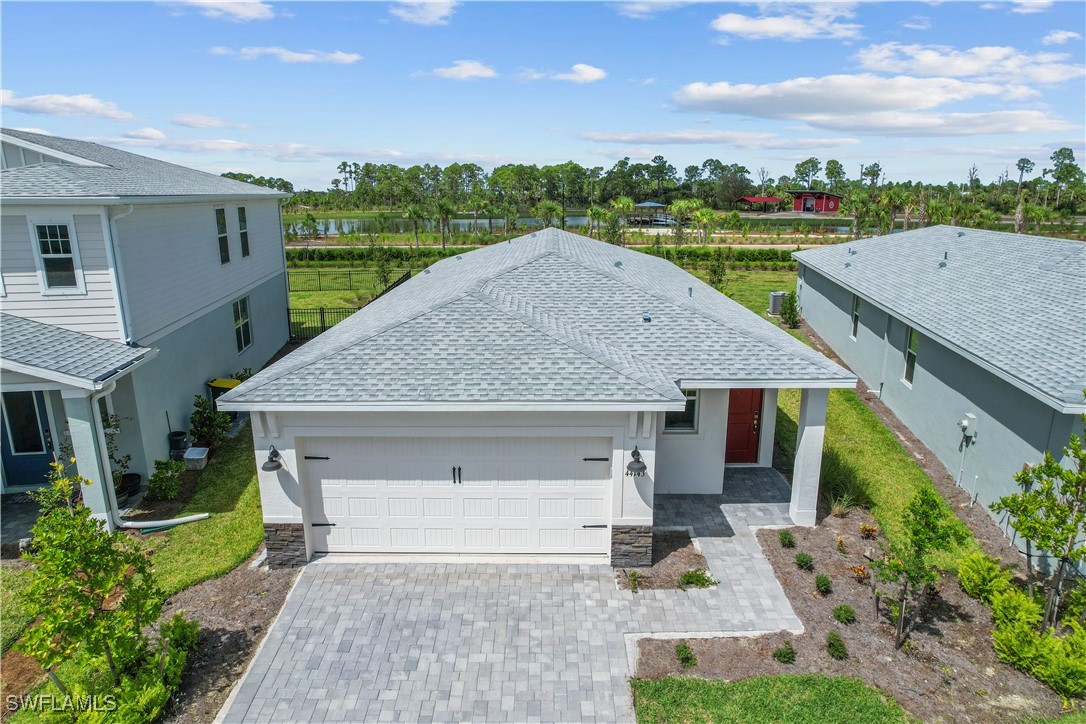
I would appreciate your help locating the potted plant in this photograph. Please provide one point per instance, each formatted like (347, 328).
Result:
(125, 483)
(207, 425)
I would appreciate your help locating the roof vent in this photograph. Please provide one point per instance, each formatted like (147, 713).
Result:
(459, 258)
(942, 264)
(646, 317)
(425, 271)
(618, 265)
(690, 291)
(851, 251)
(961, 233)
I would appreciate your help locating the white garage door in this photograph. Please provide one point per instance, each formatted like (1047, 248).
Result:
(470, 495)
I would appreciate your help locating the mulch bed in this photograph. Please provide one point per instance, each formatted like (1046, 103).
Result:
(949, 671)
(673, 554)
(235, 612)
(147, 509)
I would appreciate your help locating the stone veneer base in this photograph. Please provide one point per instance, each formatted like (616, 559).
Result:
(286, 545)
(631, 546)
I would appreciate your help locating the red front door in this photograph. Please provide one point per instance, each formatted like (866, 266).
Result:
(744, 422)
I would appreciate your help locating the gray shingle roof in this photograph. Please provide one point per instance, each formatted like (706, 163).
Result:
(123, 174)
(1017, 303)
(62, 351)
(550, 316)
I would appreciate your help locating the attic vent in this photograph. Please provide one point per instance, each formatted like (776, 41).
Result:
(690, 291)
(851, 251)
(618, 265)
(646, 317)
(961, 233)
(425, 271)
(459, 258)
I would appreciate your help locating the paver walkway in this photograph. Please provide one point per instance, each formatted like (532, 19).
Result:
(463, 642)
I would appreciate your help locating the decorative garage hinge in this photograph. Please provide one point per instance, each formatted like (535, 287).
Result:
(317, 457)
(323, 525)
(601, 525)
(597, 460)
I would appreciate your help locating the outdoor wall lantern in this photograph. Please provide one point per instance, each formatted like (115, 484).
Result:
(636, 467)
(275, 460)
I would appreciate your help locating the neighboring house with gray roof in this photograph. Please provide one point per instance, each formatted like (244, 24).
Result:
(493, 404)
(947, 324)
(126, 283)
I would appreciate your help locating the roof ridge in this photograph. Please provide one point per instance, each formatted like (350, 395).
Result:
(625, 363)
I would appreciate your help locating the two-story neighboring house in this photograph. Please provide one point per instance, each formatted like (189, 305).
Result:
(127, 284)
(975, 339)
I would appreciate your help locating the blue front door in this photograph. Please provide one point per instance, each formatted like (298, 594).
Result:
(26, 442)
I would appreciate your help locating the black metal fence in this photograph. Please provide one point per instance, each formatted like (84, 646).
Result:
(333, 280)
(308, 323)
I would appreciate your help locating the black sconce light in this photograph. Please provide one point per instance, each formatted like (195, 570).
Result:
(636, 467)
(275, 460)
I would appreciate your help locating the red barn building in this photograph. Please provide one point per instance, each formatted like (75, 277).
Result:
(816, 201)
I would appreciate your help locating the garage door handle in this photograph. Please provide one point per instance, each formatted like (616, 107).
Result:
(601, 525)
(597, 460)
(323, 525)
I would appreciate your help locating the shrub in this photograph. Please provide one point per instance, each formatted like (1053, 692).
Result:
(697, 578)
(790, 310)
(868, 531)
(634, 579)
(804, 561)
(787, 539)
(860, 573)
(982, 577)
(840, 545)
(206, 423)
(844, 614)
(823, 584)
(165, 482)
(1012, 606)
(785, 654)
(835, 645)
(686, 657)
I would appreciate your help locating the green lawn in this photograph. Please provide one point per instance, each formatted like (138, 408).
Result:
(13, 580)
(335, 300)
(784, 698)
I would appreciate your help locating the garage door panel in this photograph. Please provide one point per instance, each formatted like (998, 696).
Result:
(513, 495)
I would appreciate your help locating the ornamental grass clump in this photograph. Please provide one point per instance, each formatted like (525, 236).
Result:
(787, 539)
(835, 645)
(804, 561)
(785, 654)
(844, 614)
(823, 584)
(686, 657)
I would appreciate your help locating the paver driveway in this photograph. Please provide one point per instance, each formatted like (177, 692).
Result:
(458, 642)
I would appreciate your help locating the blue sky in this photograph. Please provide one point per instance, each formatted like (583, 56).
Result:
(291, 89)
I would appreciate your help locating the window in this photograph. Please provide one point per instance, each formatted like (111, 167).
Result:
(687, 420)
(243, 327)
(57, 254)
(244, 226)
(23, 424)
(224, 239)
(910, 354)
(855, 315)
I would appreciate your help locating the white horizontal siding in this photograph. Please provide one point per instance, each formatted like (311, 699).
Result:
(169, 256)
(92, 313)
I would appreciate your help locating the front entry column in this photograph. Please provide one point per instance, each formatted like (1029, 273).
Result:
(808, 463)
(84, 439)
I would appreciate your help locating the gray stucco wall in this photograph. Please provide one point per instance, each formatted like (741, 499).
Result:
(1013, 427)
(200, 351)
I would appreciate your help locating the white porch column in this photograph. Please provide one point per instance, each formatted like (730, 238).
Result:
(808, 463)
(80, 414)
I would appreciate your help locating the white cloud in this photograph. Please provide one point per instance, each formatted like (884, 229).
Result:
(582, 73)
(842, 94)
(241, 11)
(336, 57)
(993, 62)
(199, 120)
(55, 104)
(650, 8)
(917, 22)
(530, 74)
(465, 70)
(1031, 6)
(1059, 37)
(814, 21)
(146, 134)
(940, 124)
(424, 12)
(736, 139)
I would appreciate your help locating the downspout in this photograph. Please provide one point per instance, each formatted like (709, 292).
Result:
(122, 293)
(114, 519)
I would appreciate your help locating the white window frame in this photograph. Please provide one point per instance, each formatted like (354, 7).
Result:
(247, 321)
(243, 231)
(690, 395)
(905, 376)
(80, 288)
(37, 419)
(219, 238)
(854, 318)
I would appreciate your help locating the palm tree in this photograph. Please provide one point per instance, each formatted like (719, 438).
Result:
(596, 216)
(415, 213)
(680, 211)
(508, 211)
(548, 212)
(623, 205)
(706, 220)
(445, 211)
(857, 205)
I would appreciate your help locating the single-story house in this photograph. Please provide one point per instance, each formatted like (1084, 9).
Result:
(525, 401)
(975, 339)
(815, 201)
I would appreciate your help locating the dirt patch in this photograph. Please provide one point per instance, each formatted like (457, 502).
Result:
(235, 612)
(673, 554)
(987, 532)
(147, 509)
(21, 675)
(949, 671)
